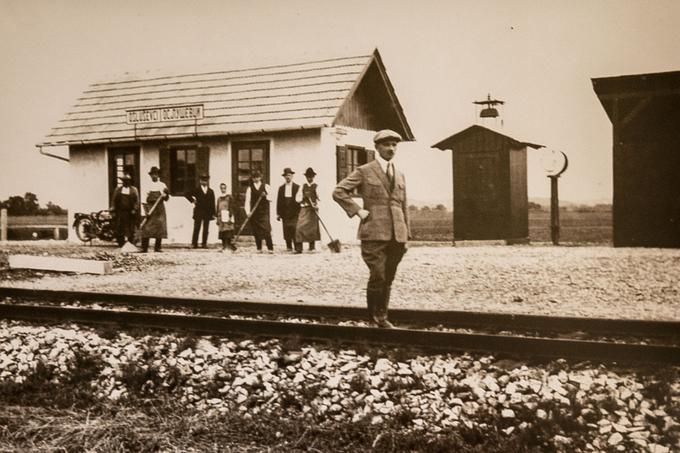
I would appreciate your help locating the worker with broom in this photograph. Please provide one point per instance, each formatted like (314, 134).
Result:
(258, 198)
(384, 228)
(307, 229)
(156, 225)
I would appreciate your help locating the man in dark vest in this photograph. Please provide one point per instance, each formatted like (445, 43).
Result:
(287, 209)
(384, 227)
(125, 207)
(259, 220)
(203, 199)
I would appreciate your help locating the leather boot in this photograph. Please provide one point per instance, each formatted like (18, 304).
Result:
(373, 300)
(381, 310)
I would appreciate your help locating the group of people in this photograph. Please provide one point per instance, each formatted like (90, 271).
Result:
(296, 207)
(127, 209)
(383, 228)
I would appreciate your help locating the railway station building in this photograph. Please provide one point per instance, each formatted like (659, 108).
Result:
(645, 113)
(321, 114)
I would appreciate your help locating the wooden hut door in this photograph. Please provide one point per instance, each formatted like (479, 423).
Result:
(121, 160)
(246, 157)
(480, 199)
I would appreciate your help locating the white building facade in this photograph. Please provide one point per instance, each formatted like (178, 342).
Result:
(320, 114)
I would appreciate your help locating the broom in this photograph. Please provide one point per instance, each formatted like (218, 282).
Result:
(334, 246)
(243, 225)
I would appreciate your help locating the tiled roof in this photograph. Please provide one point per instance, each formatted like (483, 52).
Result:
(293, 96)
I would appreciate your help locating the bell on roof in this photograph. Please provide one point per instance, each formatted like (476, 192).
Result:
(490, 110)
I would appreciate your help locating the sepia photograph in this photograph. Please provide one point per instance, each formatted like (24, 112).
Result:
(359, 226)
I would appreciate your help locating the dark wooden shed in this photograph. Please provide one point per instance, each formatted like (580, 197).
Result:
(490, 198)
(645, 113)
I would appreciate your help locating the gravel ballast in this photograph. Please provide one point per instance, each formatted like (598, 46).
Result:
(567, 281)
(595, 408)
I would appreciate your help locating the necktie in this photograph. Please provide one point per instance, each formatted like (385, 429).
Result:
(390, 174)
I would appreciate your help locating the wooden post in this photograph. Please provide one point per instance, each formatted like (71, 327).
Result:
(554, 211)
(3, 224)
(56, 233)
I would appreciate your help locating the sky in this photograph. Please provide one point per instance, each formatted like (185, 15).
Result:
(537, 56)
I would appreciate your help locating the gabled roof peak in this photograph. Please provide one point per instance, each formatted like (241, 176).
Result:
(302, 95)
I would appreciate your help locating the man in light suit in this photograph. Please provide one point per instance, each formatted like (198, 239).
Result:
(384, 228)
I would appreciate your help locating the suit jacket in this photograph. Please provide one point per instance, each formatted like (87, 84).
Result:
(284, 210)
(388, 209)
(205, 203)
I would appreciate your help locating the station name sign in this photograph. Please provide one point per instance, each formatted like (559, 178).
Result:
(165, 114)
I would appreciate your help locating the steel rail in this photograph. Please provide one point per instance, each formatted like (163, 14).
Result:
(429, 340)
(455, 319)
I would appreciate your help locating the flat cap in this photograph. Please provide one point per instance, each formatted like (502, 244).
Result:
(386, 134)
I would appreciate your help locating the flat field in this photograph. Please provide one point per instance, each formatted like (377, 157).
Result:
(575, 227)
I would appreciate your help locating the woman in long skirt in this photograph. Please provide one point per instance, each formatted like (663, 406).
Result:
(307, 229)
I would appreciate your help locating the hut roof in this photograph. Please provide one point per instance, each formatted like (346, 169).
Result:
(305, 95)
(452, 141)
(631, 88)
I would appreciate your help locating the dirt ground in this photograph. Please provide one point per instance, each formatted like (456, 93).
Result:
(534, 279)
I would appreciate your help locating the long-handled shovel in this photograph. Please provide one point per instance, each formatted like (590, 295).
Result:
(243, 225)
(129, 246)
(334, 245)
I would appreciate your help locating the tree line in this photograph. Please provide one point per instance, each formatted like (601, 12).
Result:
(17, 205)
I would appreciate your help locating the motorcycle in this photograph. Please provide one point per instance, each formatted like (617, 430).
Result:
(97, 225)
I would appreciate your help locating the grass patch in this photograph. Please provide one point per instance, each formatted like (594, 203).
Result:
(166, 426)
(45, 388)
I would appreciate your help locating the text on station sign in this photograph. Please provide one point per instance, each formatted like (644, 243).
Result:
(162, 114)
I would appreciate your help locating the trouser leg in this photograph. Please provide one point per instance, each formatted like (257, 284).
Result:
(258, 239)
(394, 253)
(373, 254)
(289, 235)
(120, 240)
(145, 245)
(268, 240)
(157, 244)
(204, 238)
(312, 245)
(194, 236)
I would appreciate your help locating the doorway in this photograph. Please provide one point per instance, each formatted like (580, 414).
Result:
(246, 157)
(123, 160)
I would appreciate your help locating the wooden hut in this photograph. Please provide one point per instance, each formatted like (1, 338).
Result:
(645, 113)
(490, 198)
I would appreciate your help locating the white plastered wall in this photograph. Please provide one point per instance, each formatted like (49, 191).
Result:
(340, 226)
(89, 187)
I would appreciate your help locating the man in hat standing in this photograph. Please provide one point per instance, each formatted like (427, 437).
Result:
(307, 229)
(125, 208)
(203, 199)
(287, 209)
(384, 228)
(259, 220)
(156, 225)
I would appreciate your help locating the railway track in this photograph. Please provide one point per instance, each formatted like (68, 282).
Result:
(419, 332)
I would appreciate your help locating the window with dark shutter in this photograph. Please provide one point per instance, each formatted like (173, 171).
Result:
(186, 165)
(348, 158)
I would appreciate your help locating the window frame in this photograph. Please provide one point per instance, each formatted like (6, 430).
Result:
(188, 184)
